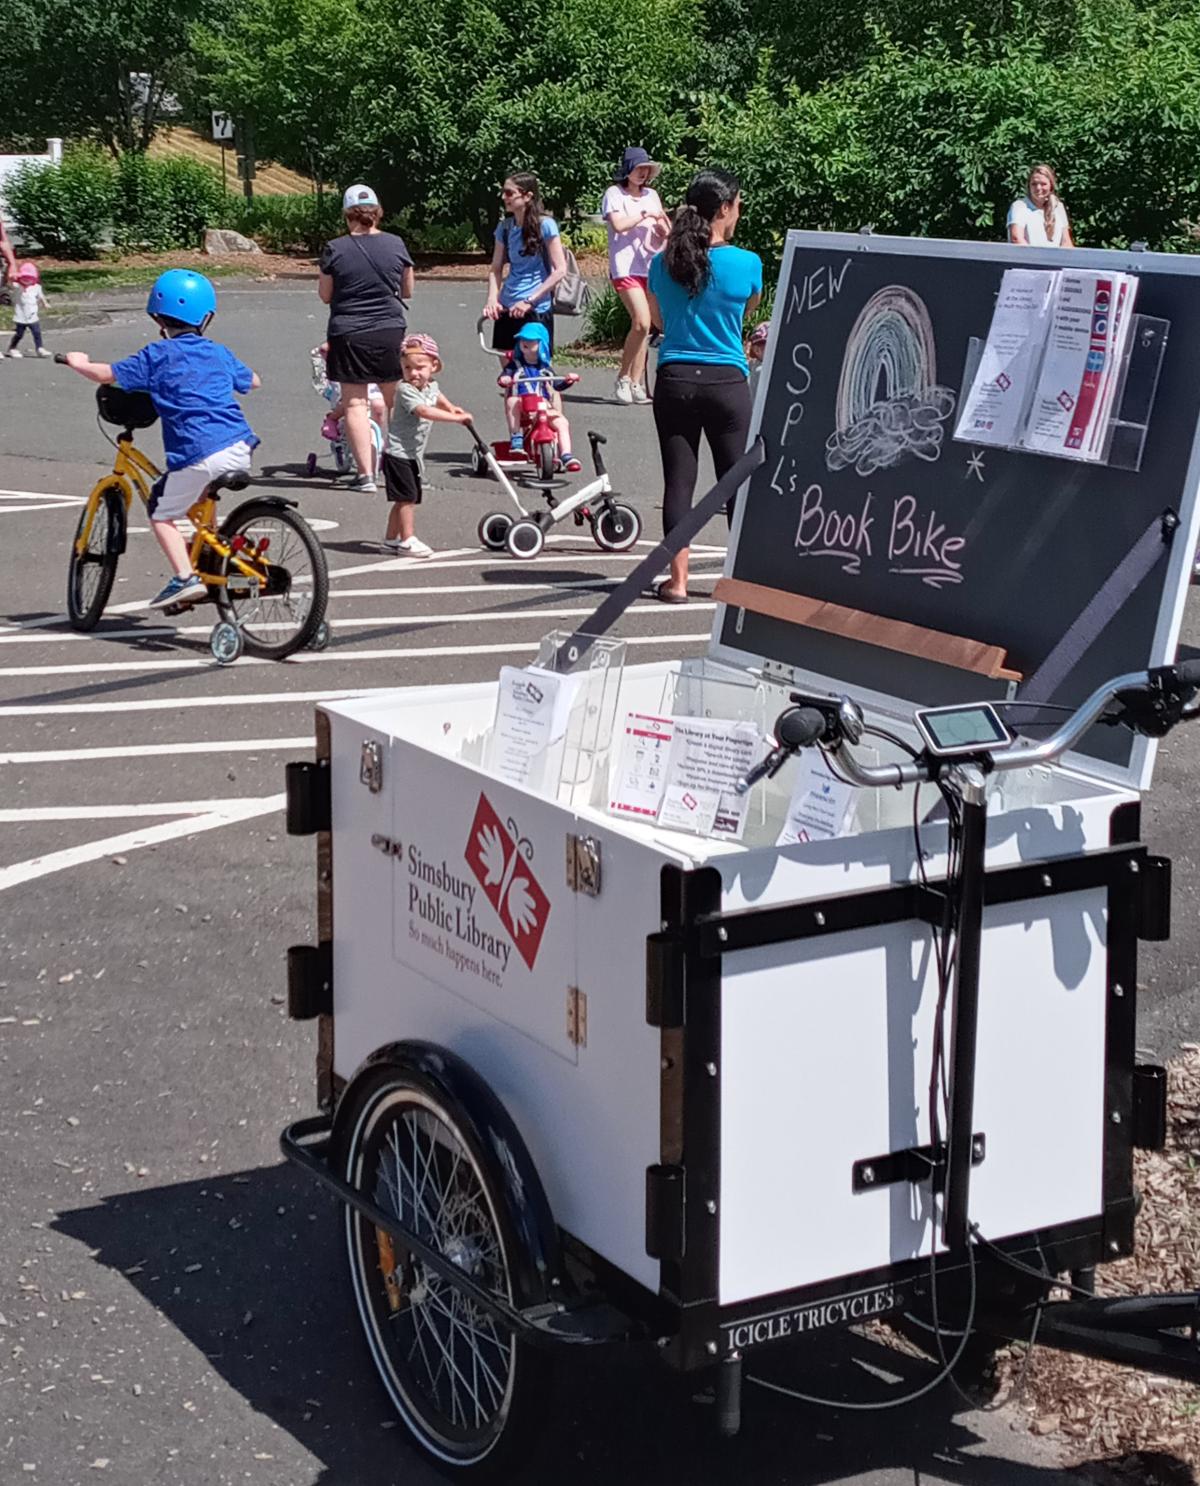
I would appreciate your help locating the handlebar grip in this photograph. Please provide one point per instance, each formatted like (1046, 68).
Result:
(61, 358)
(596, 439)
(800, 727)
(474, 432)
(1186, 671)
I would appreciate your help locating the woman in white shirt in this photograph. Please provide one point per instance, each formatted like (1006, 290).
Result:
(637, 230)
(1039, 219)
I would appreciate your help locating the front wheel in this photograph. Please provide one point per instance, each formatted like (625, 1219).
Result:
(90, 573)
(279, 605)
(617, 527)
(546, 461)
(467, 1390)
(525, 539)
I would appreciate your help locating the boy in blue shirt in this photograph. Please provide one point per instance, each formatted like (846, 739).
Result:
(192, 382)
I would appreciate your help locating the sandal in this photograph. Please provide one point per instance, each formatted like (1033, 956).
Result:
(665, 596)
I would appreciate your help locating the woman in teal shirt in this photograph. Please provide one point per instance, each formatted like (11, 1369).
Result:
(703, 288)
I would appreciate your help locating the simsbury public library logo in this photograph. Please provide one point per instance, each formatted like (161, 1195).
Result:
(444, 905)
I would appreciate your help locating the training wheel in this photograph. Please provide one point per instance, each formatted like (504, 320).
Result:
(321, 636)
(493, 529)
(226, 643)
(310, 466)
(525, 539)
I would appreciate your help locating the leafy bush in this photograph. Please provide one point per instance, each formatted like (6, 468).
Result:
(285, 224)
(67, 208)
(606, 322)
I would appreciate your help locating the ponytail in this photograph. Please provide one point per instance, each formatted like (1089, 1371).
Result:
(686, 253)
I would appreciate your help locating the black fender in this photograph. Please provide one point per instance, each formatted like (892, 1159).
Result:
(257, 500)
(538, 1263)
(117, 489)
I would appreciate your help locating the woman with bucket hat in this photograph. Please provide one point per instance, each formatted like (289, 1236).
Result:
(637, 230)
(366, 280)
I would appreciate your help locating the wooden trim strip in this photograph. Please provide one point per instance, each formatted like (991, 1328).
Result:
(870, 629)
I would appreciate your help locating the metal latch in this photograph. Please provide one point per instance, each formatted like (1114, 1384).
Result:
(583, 865)
(576, 1017)
(370, 767)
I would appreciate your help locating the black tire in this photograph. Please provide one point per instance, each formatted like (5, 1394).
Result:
(470, 1393)
(283, 615)
(546, 461)
(525, 538)
(493, 529)
(617, 527)
(90, 577)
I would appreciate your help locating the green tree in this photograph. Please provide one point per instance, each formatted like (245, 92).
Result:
(94, 69)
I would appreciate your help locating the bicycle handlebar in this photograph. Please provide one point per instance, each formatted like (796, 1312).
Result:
(1151, 703)
(61, 358)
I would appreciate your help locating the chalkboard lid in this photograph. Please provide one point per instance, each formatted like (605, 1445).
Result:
(849, 644)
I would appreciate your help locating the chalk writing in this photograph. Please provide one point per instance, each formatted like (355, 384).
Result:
(918, 545)
(815, 290)
(801, 356)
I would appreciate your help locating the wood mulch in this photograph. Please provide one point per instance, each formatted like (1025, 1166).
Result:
(1119, 1425)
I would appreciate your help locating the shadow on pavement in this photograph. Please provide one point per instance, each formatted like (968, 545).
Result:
(270, 1308)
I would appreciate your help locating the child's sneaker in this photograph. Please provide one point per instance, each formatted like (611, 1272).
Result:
(329, 429)
(623, 391)
(410, 547)
(364, 483)
(571, 464)
(639, 392)
(15, 355)
(516, 443)
(179, 591)
(43, 352)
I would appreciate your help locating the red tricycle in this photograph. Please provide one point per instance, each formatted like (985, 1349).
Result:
(541, 456)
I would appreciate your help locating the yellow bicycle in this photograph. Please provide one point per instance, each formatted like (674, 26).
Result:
(262, 567)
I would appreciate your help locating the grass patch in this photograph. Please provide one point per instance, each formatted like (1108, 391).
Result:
(83, 280)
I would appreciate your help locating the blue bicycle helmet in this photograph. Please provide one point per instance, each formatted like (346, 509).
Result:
(538, 333)
(182, 295)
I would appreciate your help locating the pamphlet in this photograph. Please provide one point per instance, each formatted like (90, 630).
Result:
(639, 779)
(1076, 385)
(710, 755)
(994, 408)
(820, 808)
(687, 809)
(533, 710)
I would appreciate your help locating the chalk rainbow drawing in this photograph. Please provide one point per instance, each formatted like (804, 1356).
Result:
(889, 404)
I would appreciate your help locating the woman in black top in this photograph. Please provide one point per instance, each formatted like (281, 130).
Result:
(365, 279)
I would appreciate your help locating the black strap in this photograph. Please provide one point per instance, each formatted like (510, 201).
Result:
(1121, 584)
(356, 237)
(679, 537)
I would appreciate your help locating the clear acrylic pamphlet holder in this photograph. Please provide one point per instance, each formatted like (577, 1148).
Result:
(1124, 436)
(582, 773)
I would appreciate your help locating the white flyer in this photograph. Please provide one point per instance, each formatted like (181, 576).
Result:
(533, 709)
(687, 809)
(711, 755)
(820, 808)
(994, 407)
(637, 785)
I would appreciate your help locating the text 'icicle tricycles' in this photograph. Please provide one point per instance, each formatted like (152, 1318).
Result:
(724, 1002)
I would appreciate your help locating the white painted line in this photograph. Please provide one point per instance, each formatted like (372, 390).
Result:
(172, 830)
(430, 621)
(293, 698)
(41, 495)
(155, 750)
(318, 657)
(9, 510)
(109, 812)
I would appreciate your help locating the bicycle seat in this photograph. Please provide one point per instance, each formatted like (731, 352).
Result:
(231, 480)
(128, 410)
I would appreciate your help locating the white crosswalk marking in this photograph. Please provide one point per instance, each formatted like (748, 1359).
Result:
(79, 711)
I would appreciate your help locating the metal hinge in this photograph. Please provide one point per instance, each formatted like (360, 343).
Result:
(583, 865)
(576, 1017)
(308, 797)
(309, 981)
(1154, 900)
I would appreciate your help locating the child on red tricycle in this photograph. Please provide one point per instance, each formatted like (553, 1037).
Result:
(537, 427)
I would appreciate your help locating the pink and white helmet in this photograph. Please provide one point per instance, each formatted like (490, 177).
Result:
(27, 273)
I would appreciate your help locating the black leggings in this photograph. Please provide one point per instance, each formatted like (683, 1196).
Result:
(691, 398)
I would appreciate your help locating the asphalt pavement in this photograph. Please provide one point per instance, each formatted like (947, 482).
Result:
(173, 1307)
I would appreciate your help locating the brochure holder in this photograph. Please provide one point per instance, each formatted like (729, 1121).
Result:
(589, 735)
(1133, 402)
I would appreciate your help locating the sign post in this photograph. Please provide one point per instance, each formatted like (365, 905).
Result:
(222, 133)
